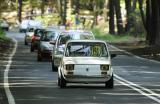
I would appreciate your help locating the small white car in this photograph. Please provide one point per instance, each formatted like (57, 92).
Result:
(86, 61)
(28, 35)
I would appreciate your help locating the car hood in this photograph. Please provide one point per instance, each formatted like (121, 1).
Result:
(86, 60)
(30, 33)
(46, 46)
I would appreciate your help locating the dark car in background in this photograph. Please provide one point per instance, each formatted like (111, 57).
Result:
(45, 48)
(36, 38)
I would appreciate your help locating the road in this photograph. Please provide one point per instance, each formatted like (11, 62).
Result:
(136, 80)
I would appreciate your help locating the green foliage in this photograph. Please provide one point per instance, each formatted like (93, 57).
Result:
(3, 36)
(112, 38)
(137, 28)
(2, 33)
(48, 19)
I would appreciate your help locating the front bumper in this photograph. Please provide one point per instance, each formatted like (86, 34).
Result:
(35, 44)
(46, 54)
(86, 79)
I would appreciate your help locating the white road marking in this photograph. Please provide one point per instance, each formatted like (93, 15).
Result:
(139, 88)
(9, 95)
(154, 61)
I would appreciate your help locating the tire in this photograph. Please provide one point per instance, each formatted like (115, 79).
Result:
(39, 57)
(58, 81)
(7, 29)
(62, 82)
(32, 48)
(110, 83)
(54, 69)
(25, 42)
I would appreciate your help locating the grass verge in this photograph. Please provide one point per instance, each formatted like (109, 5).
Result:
(3, 37)
(114, 38)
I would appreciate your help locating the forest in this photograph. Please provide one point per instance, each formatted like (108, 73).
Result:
(134, 17)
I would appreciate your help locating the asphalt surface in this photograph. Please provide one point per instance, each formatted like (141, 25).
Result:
(136, 80)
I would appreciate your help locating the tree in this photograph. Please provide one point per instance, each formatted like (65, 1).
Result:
(153, 22)
(42, 7)
(19, 10)
(114, 7)
(111, 17)
(128, 16)
(118, 17)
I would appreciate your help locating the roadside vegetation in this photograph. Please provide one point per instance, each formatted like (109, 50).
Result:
(3, 36)
(116, 38)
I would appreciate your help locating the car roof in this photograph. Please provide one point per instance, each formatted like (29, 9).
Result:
(74, 31)
(100, 41)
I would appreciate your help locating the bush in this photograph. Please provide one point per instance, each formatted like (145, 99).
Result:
(2, 33)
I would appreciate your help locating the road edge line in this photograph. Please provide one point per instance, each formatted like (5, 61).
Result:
(9, 95)
(138, 88)
(129, 53)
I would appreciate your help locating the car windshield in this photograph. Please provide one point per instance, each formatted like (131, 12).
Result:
(31, 30)
(64, 39)
(39, 32)
(48, 36)
(86, 49)
(80, 35)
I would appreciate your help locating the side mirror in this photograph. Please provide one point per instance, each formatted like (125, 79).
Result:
(52, 42)
(113, 55)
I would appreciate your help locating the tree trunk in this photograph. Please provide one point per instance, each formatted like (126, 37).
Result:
(134, 5)
(77, 6)
(64, 7)
(111, 17)
(148, 20)
(42, 7)
(153, 23)
(142, 13)
(156, 22)
(128, 17)
(19, 10)
(119, 17)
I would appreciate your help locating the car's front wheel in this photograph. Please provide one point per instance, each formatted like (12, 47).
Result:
(54, 68)
(25, 42)
(32, 48)
(39, 57)
(62, 82)
(110, 83)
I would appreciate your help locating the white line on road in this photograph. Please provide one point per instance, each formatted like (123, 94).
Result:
(139, 89)
(154, 61)
(6, 82)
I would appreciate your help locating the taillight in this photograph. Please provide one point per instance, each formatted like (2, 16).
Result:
(104, 67)
(69, 67)
(35, 37)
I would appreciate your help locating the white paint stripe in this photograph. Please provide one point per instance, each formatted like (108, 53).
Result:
(136, 85)
(6, 83)
(139, 89)
(134, 55)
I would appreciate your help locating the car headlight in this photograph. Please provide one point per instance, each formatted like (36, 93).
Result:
(104, 67)
(69, 67)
